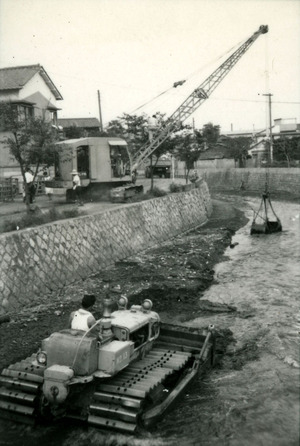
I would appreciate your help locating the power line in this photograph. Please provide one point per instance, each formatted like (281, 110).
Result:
(253, 100)
(249, 100)
(130, 87)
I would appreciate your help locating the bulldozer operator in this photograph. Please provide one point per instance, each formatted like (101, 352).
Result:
(83, 319)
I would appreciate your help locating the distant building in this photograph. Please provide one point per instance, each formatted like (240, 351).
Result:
(34, 94)
(259, 149)
(287, 126)
(79, 127)
(217, 157)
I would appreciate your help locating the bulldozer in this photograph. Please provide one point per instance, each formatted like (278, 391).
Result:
(122, 374)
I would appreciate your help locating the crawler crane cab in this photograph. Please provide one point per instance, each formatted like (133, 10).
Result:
(102, 163)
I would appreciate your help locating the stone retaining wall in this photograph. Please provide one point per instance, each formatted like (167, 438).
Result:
(279, 180)
(38, 261)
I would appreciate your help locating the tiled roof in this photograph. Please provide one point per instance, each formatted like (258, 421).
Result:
(79, 122)
(211, 155)
(14, 78)
(218, 152)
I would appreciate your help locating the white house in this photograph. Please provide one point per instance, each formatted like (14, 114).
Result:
(33, 92)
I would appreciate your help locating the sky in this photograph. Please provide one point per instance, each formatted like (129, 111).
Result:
(131, 51)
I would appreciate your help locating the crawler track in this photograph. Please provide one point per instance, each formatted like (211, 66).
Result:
(19, 395)
(116, 403)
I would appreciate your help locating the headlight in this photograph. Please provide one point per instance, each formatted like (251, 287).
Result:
(122, 303)
(147, 305)
(41, 358)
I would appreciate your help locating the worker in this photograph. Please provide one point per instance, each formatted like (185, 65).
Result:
(30, 184)
(77, 186)
(83, 319)
(48, 190)
(194, 176)
(133, 176)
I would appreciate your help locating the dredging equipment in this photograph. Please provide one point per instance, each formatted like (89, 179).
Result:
(265, 225)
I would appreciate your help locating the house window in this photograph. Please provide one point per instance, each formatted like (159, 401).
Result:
(8, 115)
(15, 112)
(53, 115)
(25, 111)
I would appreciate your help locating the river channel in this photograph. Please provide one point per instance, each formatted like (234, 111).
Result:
(255, 403)
(252, 399)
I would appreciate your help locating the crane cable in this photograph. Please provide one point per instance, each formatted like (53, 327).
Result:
(265, 195)
(189, 76)
(270, 155)
(151, 100)
(269, 125)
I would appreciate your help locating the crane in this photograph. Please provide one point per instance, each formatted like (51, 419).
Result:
(194, 100)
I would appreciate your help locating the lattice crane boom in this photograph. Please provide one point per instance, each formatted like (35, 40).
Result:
(195, 99)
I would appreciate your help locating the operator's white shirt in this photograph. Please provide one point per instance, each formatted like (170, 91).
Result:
(80, 318)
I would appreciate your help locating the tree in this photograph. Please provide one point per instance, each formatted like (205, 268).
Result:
(237, 148)
(132, 128)
(286, 149)
(190, 144)
(116, 128)
(210, 134)
(200, 139)
(31, 141)
(188, 150)
(135, 130)
(167, 147)
(73, 132)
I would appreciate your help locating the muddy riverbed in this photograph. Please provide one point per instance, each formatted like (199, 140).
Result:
(173, 275)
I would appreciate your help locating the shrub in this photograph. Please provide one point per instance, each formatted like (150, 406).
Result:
(39, 218)
(175, 187)
(69, 213)
(156, 192)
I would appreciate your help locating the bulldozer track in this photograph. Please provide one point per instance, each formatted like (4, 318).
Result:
(20, 389)
(117, 402)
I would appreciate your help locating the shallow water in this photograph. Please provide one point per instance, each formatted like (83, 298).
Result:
(253, 399)
(259, 404)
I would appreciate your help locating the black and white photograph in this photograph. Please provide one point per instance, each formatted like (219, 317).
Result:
(149, 222)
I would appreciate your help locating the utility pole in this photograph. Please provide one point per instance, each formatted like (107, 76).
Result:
(100, 112)
(270, 125)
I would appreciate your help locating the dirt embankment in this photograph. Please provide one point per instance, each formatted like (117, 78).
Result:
(173, 275)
